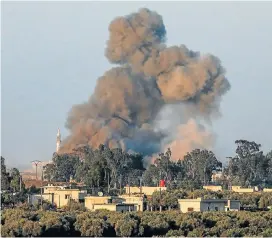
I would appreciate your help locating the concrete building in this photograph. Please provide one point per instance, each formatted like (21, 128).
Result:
(213, 188)
(202, 205)
(109, 203)
(58, 195)
(145, 190)
(90, 201)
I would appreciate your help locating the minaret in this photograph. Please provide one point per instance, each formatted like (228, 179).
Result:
(58, 140)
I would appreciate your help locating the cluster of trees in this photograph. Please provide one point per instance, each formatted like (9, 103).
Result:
(102, 167)
(106, 168)
(74, 223)
(12, 180)
(250, 166)
(12, 186)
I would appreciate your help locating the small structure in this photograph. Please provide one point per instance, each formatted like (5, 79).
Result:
(213, 188)
(202, 205)
(143, 190)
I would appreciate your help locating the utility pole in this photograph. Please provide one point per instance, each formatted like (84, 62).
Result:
(21, 180)
(36, 163)
(108, 183)
(41, 189)
(129, 186)
(230, 173)
(160, 201)
(120, 184)
(205, 175)
(160, 193)
(20, 183)
(141, 186)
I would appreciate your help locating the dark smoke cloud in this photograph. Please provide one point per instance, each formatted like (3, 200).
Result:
(127, 107)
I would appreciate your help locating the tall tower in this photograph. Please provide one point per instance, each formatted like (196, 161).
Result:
(58, 140)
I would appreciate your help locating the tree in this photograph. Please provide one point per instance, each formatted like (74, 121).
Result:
(15, 180)
(50, 172)
(199, 164)
(269, 167)
(164, 168)
(5, 184)
(151, 176)
(64, 166)
(104, 167)
(249, 166)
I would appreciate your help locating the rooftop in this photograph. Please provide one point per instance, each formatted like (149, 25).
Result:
(206, 200)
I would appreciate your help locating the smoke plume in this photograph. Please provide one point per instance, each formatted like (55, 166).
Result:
(131, 102)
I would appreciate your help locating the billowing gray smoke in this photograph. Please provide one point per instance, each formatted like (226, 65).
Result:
(129, 105)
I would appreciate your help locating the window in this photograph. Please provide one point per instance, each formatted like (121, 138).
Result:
(190, 209)
(67, 196)
(216, 208)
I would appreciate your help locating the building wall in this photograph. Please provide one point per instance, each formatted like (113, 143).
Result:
(145, 190)
(36, 198)
(234, 205)
(202, 205)
(184, 204)
(242, 190)
(114, 207)
(92, 200)
(51, 189)
(211, 206)
(62, 196)
(138, 201)
(125, 208)
(213, 188)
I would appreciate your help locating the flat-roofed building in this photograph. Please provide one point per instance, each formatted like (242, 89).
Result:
(58, 195)
(110, 203)
(202, 205)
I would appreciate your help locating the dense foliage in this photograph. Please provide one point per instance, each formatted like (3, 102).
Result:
(23, 222)
(12, 187)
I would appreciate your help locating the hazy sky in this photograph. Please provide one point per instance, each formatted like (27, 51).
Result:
(53, 52)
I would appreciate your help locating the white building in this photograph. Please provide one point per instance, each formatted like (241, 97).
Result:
(203, 205)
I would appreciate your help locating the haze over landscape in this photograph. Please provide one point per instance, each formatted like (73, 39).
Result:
(53, 53)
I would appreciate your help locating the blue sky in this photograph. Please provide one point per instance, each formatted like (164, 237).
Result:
(53, 52)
